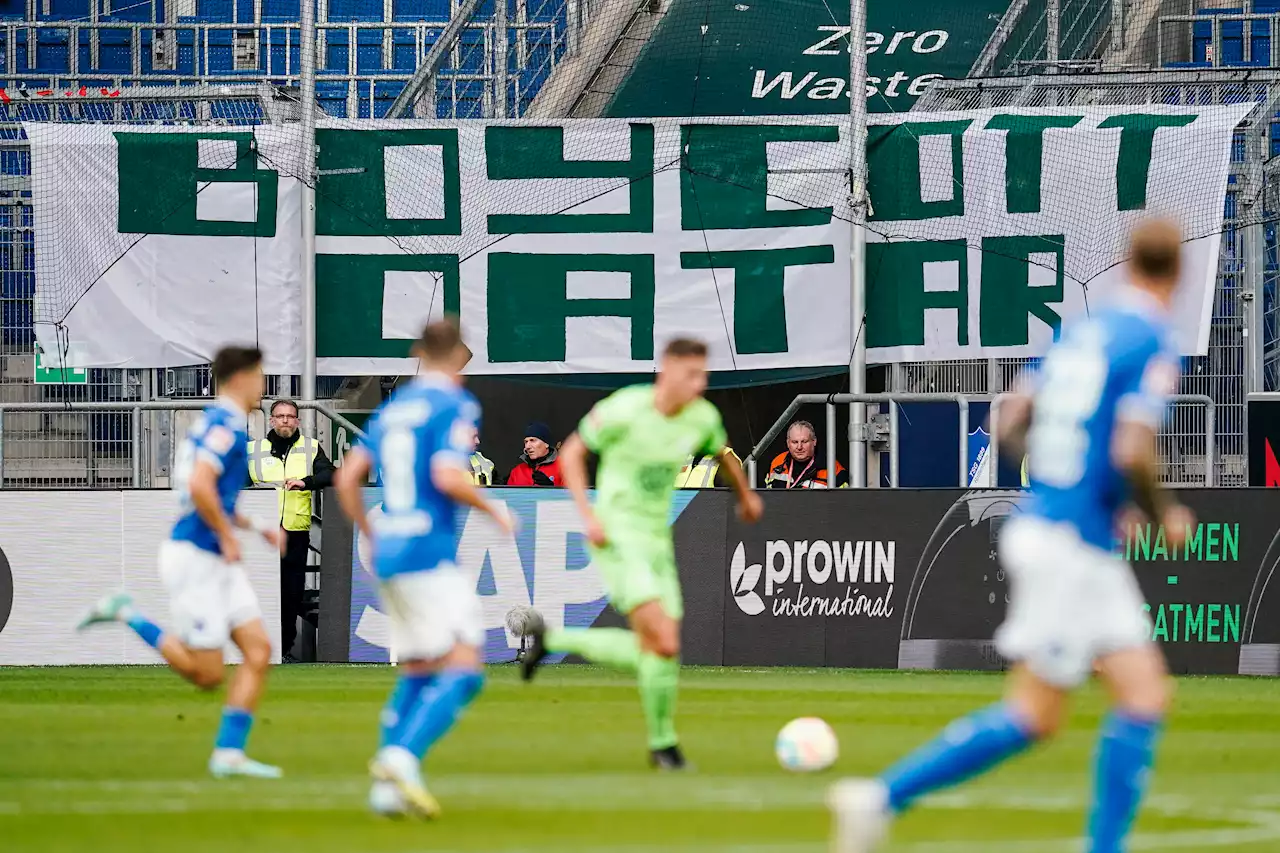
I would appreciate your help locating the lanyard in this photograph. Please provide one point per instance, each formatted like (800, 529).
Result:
(790, 467)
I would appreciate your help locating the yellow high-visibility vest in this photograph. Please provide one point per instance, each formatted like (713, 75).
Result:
(699, 472)
(294, 507)
(481, 469)
(1026, 478)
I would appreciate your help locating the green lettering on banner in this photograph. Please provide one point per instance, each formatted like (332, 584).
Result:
(1194, 548)
(896, 294)
(353, 192)
(1008, 298)
(529, 303)
(349, 301)
(1024, 156)
(893, 170)
(1212, 541)
(1133, 166)
(1161, 548)
(161, 181)
(1215, 622)
(724, 176)
(1231, 623)
(1162, 629)
(1195, 623)
(532, 153)
(1231, 542)
(759, 284)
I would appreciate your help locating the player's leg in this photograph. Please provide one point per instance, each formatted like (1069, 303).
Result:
(657, 626)
(202, 667)
(249, 633)
(629, 583)
(437, 623)
(1037, 634)
(1140, 689)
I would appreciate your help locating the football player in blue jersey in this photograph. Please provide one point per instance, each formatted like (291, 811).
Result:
(420, 440)
(210, 597)
(1088, 418)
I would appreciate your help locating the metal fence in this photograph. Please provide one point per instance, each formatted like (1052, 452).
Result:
(110, 445)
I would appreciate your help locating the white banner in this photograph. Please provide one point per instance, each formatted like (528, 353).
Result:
(992, 226)
(64, 550)
(582, 246)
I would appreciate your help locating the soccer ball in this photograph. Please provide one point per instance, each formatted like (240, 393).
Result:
(807, 745)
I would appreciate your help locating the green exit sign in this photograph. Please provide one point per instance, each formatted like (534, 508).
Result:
(46, 375)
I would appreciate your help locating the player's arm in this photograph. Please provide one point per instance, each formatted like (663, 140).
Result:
(750, 506)
(1015, 418)
(1134, 449)
(347, 482)
(451, 472)
(573, 467)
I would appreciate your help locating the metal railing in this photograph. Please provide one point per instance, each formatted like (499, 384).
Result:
(1215, 22)
(1169, 441)
(858, 443)
(77, 435)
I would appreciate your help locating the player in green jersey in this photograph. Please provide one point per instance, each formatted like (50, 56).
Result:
(643, 435)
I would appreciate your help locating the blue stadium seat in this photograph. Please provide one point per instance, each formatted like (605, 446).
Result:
(355, 10)
(421, 10)
(64, 10)
(332, 97)
(139, 11)
(16, 323)
(281, 10)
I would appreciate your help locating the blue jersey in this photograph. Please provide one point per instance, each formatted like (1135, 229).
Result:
(426, 424)
(221, 438)
(1117, 365)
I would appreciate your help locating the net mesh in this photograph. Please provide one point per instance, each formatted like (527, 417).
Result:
(774, 65)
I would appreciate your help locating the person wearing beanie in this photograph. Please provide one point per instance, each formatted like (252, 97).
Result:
(540, 462)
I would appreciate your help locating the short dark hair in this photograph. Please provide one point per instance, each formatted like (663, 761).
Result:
(1156, 249)
(232, 360)
(278, 403)
(439, 339)
(684, 348)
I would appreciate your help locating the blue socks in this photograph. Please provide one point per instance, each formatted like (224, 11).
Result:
(234, 730)
(401, 701)
(967, 747)
(146, 629)
(437, 709)
(1125, 752)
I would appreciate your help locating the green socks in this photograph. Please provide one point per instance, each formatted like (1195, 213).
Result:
(659, 680)
(616, 647)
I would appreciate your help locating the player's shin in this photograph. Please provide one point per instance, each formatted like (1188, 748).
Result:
(615, 647)
(968, 747)
(1125, 753)
(659, 679)
(437, 708)
(401, 701)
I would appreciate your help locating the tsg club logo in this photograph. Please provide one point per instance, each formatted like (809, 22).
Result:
(821, 578)
(743, 580)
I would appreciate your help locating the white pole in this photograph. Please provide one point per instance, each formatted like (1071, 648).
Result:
(858, 243)
(308, 98)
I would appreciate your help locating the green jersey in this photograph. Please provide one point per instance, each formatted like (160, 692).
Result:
(641, 451)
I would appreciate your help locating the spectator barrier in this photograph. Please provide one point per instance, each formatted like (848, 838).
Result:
(879, 579)
(60, 551)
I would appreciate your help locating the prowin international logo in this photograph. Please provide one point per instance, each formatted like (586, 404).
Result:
(817, 578)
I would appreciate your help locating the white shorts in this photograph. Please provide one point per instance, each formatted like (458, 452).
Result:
(1070, 602)
(433, 611)
(208, 598)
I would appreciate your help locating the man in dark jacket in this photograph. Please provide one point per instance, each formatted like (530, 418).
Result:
(540, 463)
(293, 463)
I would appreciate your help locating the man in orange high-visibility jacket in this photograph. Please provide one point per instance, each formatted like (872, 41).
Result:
(799, 468)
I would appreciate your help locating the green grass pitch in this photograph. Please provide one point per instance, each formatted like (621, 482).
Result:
(112, 759)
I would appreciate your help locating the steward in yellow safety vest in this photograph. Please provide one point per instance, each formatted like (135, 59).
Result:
(291, 462)
(699, 472)
(481, 465)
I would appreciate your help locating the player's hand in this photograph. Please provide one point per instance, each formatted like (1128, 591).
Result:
(230, 547)
(504, 519)
(750, 508)
(295, 486)
(1176, 522)
(275, 537)
(595, 532)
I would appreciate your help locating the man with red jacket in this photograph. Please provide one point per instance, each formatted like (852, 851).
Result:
(540, 463)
